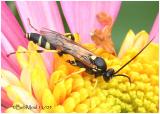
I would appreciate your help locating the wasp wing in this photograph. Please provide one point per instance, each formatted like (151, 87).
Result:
(45, 31)
(70, 47)
(51, 35)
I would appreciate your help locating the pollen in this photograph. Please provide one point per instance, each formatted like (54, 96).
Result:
(70, 89)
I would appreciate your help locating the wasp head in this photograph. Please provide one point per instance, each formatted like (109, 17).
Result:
(108, 74)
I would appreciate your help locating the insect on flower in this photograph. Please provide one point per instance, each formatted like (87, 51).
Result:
(55, 42)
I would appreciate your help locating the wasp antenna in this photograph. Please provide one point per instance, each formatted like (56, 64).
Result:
(16, 52)
(32, 26)
(135, 56)
(10, 54)
(123, 76)
(38, 51)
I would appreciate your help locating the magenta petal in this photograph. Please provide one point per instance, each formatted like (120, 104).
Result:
(7, 66)
(41, 14)
(81, 16)
(10, 28)
(5, 101)
(3, 109)
(48, 60)
(155, 29)
(9, 63)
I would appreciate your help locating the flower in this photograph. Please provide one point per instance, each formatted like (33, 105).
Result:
(32, 85)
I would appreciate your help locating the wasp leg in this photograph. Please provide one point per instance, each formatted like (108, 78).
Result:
(64, 51)
(72, 62)
(96, 82)
(60, 53)
(81, 65)
(51, 51)
(76, 63)
(97, 74)
(70, 36)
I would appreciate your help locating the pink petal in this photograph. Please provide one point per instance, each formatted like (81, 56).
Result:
(155, 29)
(6, 65)
(5, 101)
(10, 28)
(81, 16)
(9, 63)
(3, 109)
(41, 14)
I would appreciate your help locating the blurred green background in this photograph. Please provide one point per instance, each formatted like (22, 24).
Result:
(135, 15)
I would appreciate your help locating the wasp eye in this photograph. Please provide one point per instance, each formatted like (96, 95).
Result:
(100, 63)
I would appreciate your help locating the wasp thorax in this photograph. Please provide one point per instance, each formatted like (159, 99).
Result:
(100, 63)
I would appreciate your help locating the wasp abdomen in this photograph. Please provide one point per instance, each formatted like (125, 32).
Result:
(40, 40)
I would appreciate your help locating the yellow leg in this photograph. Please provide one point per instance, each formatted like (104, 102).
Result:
(77, 72)
(52, 51)
(95, 85)
(42, 51)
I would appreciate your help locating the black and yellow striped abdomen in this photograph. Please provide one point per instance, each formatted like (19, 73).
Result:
(40, 40)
